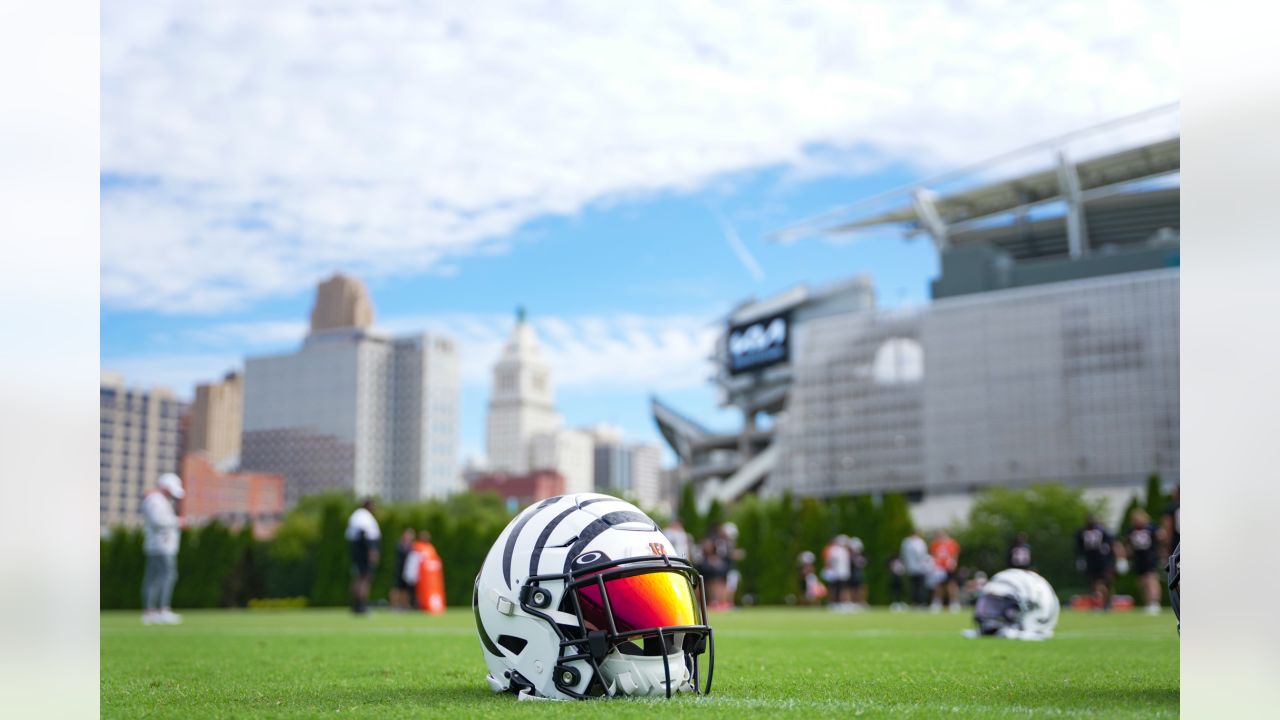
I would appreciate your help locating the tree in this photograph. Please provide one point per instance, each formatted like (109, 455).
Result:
(688, 512)
(715, 517)
(890, 522)
(1157, 500)
(778, 547)
(748, 515)
(120, 570)
(1049, 513)
(333, 561)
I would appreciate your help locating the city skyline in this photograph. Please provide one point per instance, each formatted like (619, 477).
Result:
(461, 200)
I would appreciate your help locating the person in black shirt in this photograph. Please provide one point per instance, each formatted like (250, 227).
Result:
(1096, 557)
(1142, 544)
(1020, 553)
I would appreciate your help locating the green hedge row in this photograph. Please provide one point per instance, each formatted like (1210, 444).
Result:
(774, 531)
(1050, 514)
(308, 558)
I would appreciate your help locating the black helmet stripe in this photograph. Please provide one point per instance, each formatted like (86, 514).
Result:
(590, 532)
(551, 526)
(484, 634)
(510, 547)
(543, 536)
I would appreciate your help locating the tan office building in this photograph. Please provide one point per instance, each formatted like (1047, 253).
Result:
(216, 417)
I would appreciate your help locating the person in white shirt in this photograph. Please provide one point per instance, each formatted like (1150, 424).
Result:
(837, 569)
(161, 535)
(918, 563)
(362, 536)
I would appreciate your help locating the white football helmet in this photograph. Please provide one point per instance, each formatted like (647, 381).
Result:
(582, 596)
(1018, 604)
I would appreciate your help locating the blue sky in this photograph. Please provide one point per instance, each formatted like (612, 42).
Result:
(466, 160)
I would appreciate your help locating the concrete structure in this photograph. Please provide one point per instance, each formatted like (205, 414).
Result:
(138, 442)
(568, 452)
(233, 499)
(355, 409)
(521, 402)
(1049, 352)
(214, 422)
(754, 374)
(1074, 382)
(521, 490)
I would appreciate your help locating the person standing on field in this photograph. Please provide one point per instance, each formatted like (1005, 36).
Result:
(837, 566)
(1142, 544)
(161, 535)
(363, 536)
(917, 561)
(1020, 553)
(946, 555)
(1095, 555)
(857, 574)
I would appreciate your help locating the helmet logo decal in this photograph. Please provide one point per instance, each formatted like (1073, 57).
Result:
(658, 548)
(589, 558)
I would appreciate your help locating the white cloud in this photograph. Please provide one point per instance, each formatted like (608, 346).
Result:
(177, 371)
(251, 147)
(621, 352)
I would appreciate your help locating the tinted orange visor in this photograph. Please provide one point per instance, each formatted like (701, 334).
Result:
(658, 599)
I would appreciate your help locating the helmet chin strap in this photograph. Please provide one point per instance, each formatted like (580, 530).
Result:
(644, 675)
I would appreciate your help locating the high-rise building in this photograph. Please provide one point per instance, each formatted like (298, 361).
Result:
(138, 434)
(569, 452)
(215, 420)
(630, 469)
(522, 403)
(646, 474)
(355, 409)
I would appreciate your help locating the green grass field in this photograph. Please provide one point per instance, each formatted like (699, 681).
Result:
(775, 662)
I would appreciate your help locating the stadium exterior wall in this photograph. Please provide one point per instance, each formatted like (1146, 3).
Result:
(1074, 382)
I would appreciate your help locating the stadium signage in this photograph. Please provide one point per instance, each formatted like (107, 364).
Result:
(760, 343)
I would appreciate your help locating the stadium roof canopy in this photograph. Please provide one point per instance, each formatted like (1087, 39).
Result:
(950, 216)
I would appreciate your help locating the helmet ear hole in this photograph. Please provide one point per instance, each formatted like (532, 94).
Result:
(515, 644)
(567, 677)
(536, 596)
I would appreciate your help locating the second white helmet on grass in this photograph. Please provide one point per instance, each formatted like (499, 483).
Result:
(582, 596)
(1017, 604)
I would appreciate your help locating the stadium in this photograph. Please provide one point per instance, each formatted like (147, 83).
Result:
(1049, 350)
(1048, 353)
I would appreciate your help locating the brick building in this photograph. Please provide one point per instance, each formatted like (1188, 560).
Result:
(233, 499)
